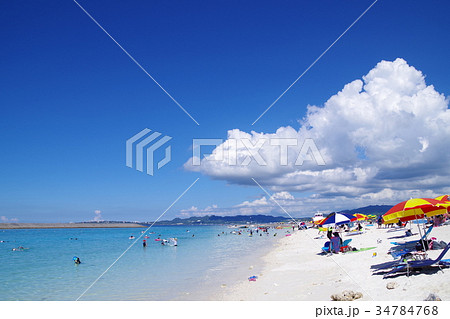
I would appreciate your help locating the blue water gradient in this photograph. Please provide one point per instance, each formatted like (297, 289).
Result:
(192, 270)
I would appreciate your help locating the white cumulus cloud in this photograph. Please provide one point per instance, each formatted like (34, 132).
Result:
(98, 215)
(5, 219)
(381, 137)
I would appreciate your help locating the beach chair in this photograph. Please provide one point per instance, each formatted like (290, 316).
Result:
(400, 249)
(326, 248)
(413, 242)
(399, 253)
(420, 264)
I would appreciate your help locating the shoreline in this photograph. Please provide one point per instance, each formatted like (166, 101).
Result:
(67, 225)
(223, 275)
(295, 270)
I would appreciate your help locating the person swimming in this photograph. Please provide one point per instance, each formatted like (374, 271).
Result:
(76, 260)
(173, 241)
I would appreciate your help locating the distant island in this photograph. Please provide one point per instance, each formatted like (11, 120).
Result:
(226, 220)
(261, 219)
(194, 220)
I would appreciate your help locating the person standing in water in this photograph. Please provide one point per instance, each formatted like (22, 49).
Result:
(144, 243)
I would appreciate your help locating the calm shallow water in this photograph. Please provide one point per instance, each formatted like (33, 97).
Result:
(199, 264)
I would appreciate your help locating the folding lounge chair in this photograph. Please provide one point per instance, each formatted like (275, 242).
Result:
(414, 242)
(326, 247)
(415, 264)
(403, 248)
(385, 265)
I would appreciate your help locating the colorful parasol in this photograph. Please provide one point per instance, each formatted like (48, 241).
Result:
(414, 209)
(443, 198)
(445, 201)
(337, 219)
(361, 216)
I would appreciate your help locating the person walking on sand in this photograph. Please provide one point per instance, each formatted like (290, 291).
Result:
(380, 221)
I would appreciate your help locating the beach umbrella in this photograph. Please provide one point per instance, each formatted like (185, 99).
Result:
(420, 213)
(361, 217)
(445, 201)
(443, 198)
(414, 208)
(317, 222)
(336, 219)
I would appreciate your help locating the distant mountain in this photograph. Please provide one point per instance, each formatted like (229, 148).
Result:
(259, 219)
(214, 220)
(369, 210)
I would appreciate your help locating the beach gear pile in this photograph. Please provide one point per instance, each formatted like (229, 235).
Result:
(412, 255)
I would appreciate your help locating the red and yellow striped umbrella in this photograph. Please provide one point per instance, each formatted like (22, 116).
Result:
(444, 199)
(360, 216)
(317, 222)
(415, 208)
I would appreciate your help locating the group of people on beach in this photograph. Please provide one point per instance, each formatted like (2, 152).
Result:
(437, 220)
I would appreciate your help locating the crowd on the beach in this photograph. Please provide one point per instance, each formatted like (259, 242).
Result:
(407, 255)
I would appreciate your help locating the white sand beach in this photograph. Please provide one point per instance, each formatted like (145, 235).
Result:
(295, 270)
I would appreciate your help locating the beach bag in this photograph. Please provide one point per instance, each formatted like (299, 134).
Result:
(423, 243)
(345, 249)
(439, 245)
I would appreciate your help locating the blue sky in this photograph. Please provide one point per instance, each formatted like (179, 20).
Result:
(70, 97)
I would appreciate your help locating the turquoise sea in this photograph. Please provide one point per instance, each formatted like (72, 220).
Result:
(193, 270)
